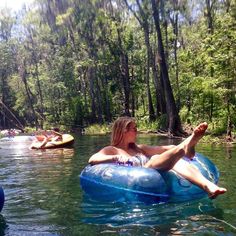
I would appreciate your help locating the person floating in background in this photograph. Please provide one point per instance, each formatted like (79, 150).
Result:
(123, 149)
(47, 136)
(11, 133)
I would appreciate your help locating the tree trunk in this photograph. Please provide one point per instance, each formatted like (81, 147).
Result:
(92, 94)
(124, 69)
(132, 94)
(165, 26)
(209, 15)
(143, 21)
(95, 91)
(108, 116)
(160, 96)
(149, 55)
(22, 73)
(174, 22)
(174, 124)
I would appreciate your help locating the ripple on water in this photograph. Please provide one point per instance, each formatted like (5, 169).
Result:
(43, 197)
(123, 214)
(174, 219)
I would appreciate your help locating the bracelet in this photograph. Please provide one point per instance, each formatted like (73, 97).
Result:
(115, 158)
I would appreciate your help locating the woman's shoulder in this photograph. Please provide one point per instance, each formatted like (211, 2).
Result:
(110, 150)
(142, 146)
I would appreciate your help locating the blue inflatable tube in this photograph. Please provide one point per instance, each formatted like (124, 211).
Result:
(117, 183)
(2, 198)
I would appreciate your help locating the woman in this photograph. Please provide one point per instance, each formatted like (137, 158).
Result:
(124, 149)
(47, 136)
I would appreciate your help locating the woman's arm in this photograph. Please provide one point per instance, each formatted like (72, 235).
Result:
(44, 142)
(106, 155)
(101, 158)
(56, 134)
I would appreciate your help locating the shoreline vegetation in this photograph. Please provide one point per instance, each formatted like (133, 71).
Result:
(77, 63)
(212, 135)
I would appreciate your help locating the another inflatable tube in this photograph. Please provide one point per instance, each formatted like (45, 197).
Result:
(2, 198)
(67, 140)
(116, 183)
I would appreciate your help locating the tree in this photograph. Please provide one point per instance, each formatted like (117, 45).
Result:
(174, 124)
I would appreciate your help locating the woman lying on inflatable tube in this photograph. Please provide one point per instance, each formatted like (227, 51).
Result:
(123, 149)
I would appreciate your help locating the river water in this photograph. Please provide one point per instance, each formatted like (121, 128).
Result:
(43, 196)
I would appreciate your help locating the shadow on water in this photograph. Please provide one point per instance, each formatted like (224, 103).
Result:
(3, 225)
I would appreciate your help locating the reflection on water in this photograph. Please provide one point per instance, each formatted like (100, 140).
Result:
(55, 153)
(229, 151)
(33, 181)
(43, 196)
(122, 214)
(177, 219)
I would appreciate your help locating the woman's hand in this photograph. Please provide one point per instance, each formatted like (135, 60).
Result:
(124, 160)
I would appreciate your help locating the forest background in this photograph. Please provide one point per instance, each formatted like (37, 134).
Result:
(76, 63)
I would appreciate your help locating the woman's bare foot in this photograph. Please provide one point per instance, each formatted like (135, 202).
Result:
(192, 140)
(213, 190)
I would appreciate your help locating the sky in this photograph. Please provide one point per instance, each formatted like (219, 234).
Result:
(15, 5)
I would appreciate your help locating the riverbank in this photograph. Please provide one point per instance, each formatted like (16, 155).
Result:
(211, 135)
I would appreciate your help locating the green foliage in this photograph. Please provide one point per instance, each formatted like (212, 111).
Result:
(63, 65)
(97, 129)
(186, 115)
(144, 124)
(211, 139)
(208, 78)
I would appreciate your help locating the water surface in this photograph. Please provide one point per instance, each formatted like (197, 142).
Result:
(43, 196)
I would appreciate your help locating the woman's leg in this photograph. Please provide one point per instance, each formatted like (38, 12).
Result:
(168, 159)
(192, 174)
(171, 159)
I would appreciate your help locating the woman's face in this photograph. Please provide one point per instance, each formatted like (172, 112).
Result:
(131, 132)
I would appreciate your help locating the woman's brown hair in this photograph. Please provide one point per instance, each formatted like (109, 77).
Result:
(120, 126)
